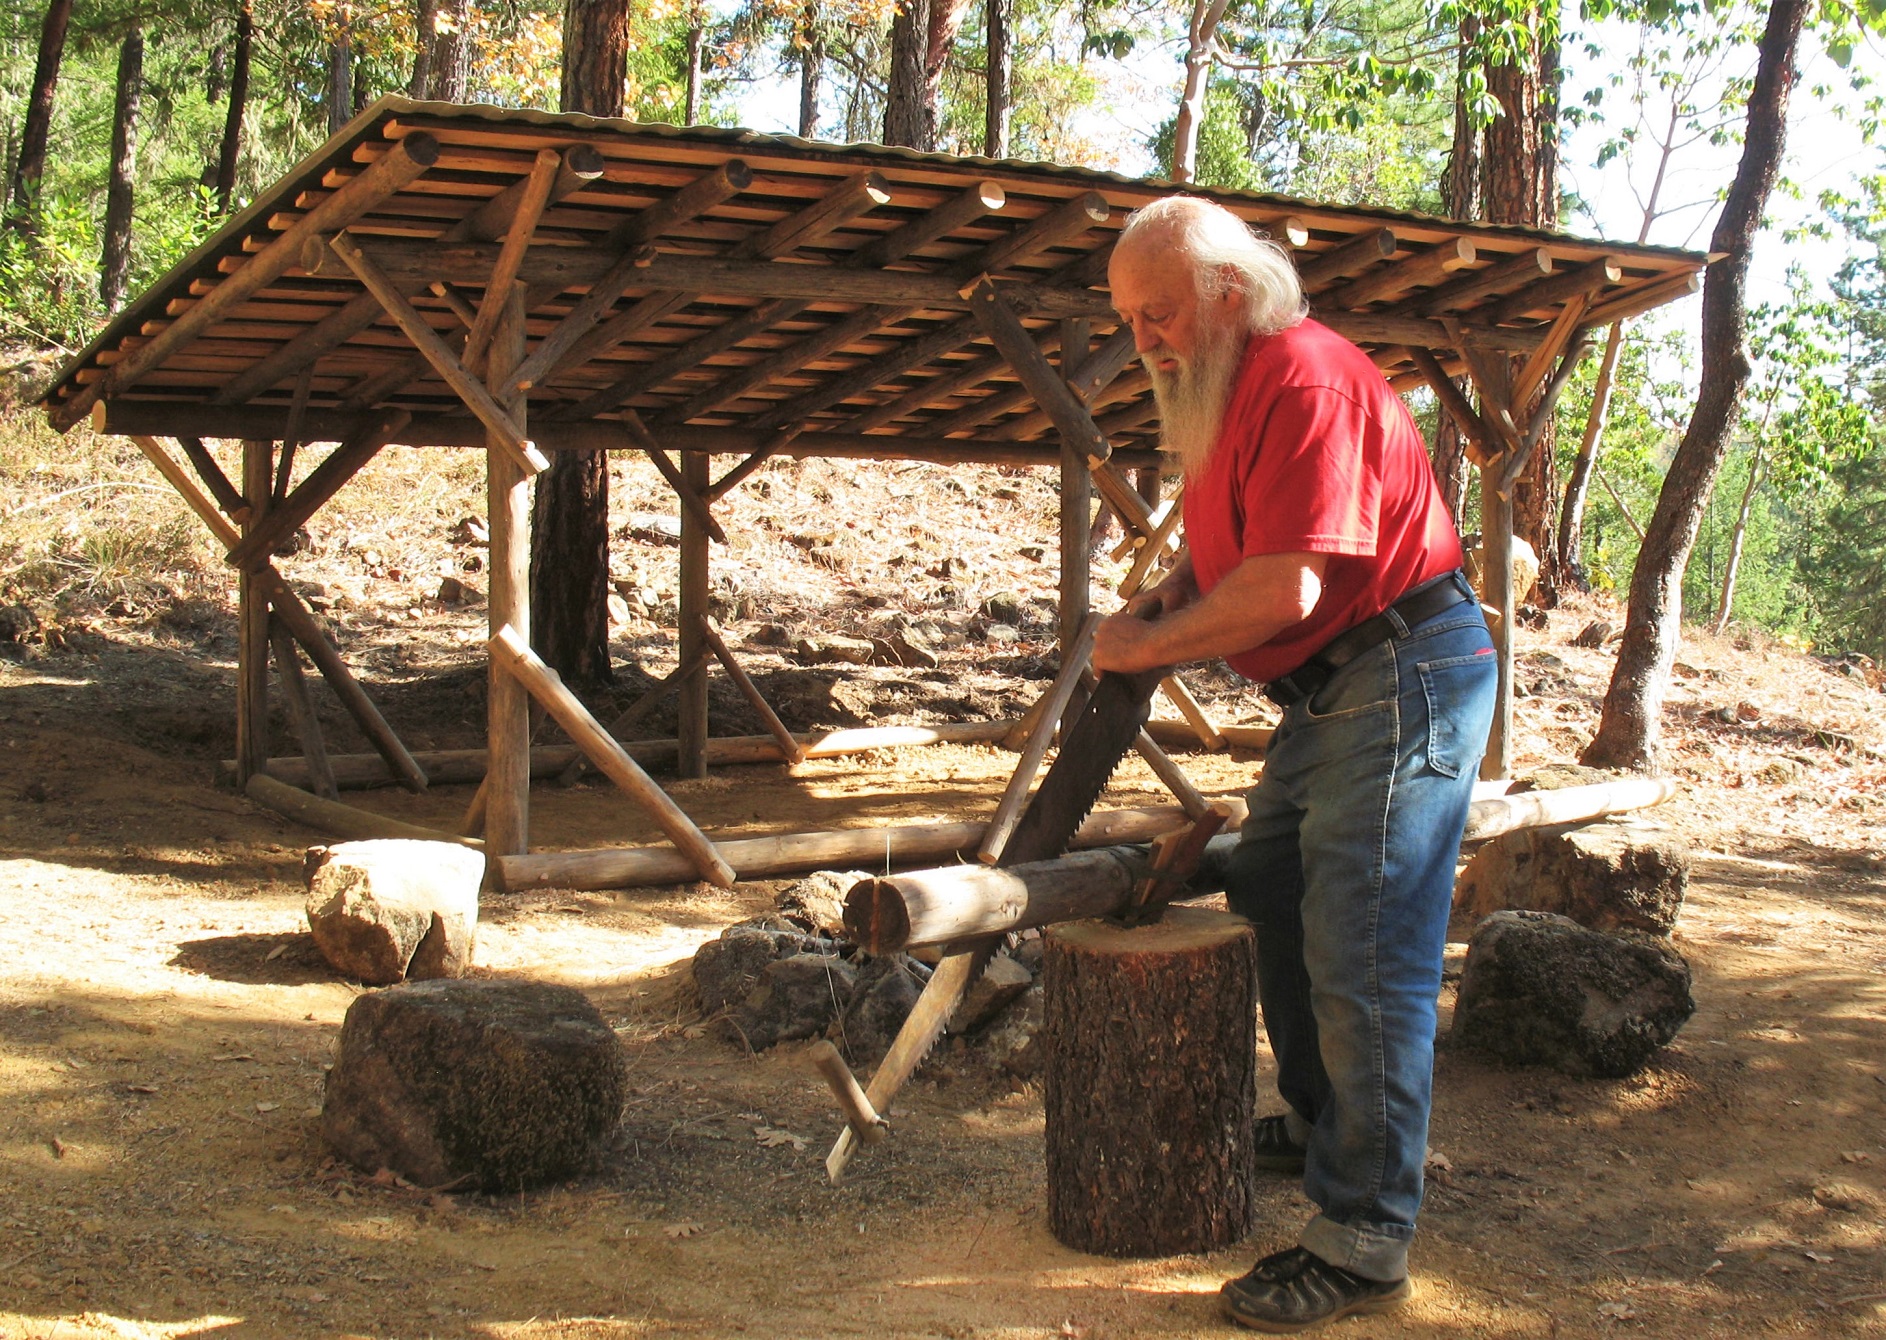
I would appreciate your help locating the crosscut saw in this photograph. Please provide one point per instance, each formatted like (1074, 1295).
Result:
(1091, 748)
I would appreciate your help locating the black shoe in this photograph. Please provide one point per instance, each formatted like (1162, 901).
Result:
(1274, 1150)
(1293, 1290)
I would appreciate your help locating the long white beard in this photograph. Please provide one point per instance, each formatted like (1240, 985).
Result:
(1192, 400)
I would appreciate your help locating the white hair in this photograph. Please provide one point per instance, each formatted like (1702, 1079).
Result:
(1225, 253)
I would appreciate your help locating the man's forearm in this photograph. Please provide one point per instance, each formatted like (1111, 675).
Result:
(1254, 602)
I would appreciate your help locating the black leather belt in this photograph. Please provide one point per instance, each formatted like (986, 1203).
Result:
(1416, 607)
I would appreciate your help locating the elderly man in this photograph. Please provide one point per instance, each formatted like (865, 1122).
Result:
(1323, 564)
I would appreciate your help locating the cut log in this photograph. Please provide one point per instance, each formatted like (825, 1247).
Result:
(897, 913)
(763, 858)
(330, 816)
(1150, 1083)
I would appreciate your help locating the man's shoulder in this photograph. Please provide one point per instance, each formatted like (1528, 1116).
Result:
(1311, 356)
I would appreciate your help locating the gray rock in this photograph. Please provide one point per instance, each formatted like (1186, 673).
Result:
(1542, 990)
(389, 909)
(1594, 634)
(1560, 776)
(832, 649)
(654, 527)
(887, 989)
(904, 649)
(817, 902)
(1601, 877)
(1013, 1041)
(796, 997)
(477, 1085)
(1003, 635)
(1003, 607)
(726, 970)
(990, 994)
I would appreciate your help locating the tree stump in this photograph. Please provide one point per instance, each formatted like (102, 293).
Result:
(1150, 1083)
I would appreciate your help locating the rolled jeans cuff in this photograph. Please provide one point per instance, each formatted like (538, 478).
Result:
(1373, 1251)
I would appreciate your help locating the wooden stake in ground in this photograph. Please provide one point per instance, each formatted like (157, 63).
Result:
(1151, 1083)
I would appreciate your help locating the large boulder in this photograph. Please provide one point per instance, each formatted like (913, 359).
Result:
(728, 969)
(1540, 989)
(475, 1085)
(886, 990)
(1603, 877)
(390, 909)
(797, 997)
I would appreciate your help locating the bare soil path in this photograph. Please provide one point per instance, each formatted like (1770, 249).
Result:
(165, 1020)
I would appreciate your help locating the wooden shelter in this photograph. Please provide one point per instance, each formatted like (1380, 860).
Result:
(526, 283)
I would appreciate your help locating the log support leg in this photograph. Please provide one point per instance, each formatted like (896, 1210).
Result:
(507, 778)
(1150, 1084)
(691, 727)
(252, 646)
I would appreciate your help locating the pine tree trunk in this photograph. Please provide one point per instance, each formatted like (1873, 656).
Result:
(425, 16)
(30, 167)
(570, 516)
(1150, 1083)
(998, 78)
(340, 72)
(1628, 730)
(691, 111)
(909, 120)
(811, 67)
(449, 72)
(569, 566)
(1521, 187)
(1460, 188)
(595, 56)
(238, 107)
(115, 264)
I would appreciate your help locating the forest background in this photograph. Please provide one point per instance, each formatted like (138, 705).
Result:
(129, 131)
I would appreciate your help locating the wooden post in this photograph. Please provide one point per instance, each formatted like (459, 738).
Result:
(1150, 1083)
(252, 649)
(1076, 579)
(507, 778)
(301, 711)
(548, 688)
(691, 722)
(1496, 583)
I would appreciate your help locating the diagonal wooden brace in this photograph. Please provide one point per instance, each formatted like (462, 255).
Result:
(341, 465)
(470, 390)
(690, 497)
(530, 208)
(514, 655)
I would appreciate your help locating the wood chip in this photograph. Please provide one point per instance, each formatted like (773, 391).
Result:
(275, 953)
(59, 1147)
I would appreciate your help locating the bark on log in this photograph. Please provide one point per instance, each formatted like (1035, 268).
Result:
(330, 816)
(1150, 1083)
(895, 913)
(762, 858)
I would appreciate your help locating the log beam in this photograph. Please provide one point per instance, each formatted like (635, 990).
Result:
(393, 171)
(898, 913)
(581, 164)
(1421, 270)
(766, 857)
(1349, 258)
(1526, 268)
(505, 432)
(510, 651)
(1584, 282)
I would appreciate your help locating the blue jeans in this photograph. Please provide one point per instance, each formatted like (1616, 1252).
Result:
(1346, 868)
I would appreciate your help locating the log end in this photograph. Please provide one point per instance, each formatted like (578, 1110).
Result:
(875, 916)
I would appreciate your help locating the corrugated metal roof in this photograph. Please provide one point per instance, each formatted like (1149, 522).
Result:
(746, 348)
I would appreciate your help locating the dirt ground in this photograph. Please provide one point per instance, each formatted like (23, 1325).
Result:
(165, 1021)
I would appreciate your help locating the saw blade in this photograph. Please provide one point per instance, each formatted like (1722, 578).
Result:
(955, 973)
(1093, 747)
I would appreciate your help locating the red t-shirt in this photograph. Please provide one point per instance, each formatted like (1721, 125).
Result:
(1317, 454)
